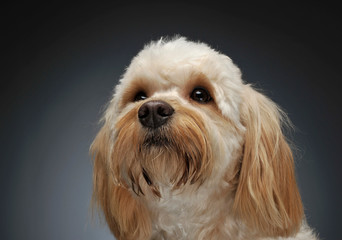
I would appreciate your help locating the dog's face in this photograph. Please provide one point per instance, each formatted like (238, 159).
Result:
(175, 119)
(182, 118)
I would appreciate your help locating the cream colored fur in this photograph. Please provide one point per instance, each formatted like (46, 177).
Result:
(228, 172)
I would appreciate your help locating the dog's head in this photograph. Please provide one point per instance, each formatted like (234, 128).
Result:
(181, 117)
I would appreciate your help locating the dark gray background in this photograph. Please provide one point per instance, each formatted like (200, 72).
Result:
(61, 61)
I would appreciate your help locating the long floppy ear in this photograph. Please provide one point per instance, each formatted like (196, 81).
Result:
(267, 197)
(126, 217)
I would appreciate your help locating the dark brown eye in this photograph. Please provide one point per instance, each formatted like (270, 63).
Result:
(200, 95)
(140, 96)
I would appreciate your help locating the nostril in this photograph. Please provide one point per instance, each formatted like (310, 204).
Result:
(143, 111)
(154, 113)
(164, 110)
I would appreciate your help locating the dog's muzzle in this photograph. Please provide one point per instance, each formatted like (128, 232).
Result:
(155, 113)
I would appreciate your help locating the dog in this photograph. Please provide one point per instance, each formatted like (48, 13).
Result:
(187, 150)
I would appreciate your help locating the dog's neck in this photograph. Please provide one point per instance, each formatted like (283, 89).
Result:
(193, 212)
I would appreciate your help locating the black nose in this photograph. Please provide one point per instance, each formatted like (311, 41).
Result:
(154, 114)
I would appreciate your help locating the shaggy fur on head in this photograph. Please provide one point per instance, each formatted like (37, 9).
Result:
(187, 150)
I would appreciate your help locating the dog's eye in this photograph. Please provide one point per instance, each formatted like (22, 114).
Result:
(200, 95)
(140, 96)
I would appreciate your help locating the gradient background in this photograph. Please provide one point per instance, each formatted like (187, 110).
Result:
(61, 62)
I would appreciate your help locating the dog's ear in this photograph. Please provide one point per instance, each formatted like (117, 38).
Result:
(267, 197)
(126, 217)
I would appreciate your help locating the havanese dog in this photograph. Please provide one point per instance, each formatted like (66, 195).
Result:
(187, 150)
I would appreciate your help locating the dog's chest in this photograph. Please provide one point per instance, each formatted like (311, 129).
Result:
(174, 219)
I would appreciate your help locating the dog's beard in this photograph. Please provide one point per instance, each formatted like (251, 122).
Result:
(175, 154)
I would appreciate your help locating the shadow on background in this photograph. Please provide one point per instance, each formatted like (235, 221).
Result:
(62, 61)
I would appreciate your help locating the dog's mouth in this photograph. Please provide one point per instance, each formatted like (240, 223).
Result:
(157, 138)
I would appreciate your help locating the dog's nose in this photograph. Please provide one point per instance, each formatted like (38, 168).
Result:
(155, 113)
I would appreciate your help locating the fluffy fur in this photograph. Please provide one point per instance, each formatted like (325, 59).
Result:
(220, 169)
